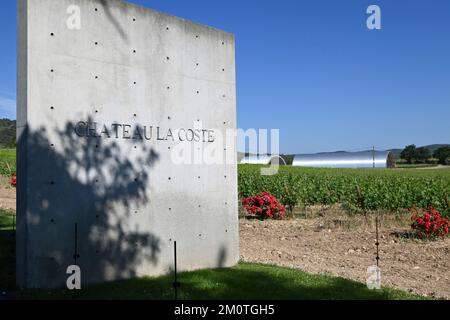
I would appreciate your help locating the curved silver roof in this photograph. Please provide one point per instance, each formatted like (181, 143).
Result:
(364, 159)
(262, 159)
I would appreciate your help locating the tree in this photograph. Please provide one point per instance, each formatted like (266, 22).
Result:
(409, 153)
(442, 154)
(423, 154)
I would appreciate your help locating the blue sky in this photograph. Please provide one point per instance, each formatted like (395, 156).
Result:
(312, 68)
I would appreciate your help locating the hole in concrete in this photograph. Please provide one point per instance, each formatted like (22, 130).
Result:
(226, 230)
(199, 177)
(136, 179)
(52, 145)
(96, 9)
(52, 34)
(134, 51)
(168, 88)
(223, 42)
(135, 147)
(196, 36)
(134, 82)
(52, 220)
(168, 148)
(167, 58)
(52, 108)
(199, 234)
(198, 92)
(167, 28)
(51, 70)
(223, 69)
(134, 115)
(168, 117)
(170, 178)
(96, 77)
(134, 19)
(96, 111)
(197, 64)
(52, 182)
(96, 43)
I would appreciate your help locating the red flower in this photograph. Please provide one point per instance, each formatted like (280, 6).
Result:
(13, 180)
(430, 223)
(264, 205)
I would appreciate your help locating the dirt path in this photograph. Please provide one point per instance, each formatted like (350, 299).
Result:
(416, 266)
(7, 195)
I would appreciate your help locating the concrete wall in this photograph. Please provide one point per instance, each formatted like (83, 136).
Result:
(137, 68)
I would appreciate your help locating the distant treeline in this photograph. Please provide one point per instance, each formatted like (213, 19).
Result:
(7, 133)
(412, 154)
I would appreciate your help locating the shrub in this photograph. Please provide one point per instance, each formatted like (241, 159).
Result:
(428, 223)
(263, 206)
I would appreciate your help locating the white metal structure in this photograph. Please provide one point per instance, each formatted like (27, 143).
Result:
(364, 159)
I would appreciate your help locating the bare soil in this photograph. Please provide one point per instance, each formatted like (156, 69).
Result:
(7, 195)
(342, 245)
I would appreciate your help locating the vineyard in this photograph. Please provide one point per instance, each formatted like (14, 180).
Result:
(7, 162)
(356, 189)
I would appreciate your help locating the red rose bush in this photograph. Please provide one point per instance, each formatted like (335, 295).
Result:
(428, 223)
(264, 206)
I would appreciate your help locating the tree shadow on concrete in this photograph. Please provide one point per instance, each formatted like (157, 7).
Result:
(98, 185)
(113, 20)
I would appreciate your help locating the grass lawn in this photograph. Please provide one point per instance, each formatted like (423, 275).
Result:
(244, 281)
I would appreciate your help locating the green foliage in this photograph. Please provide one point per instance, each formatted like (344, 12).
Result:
(7, 133)
(7, 161)
(357, 189)
(423, 154)
(412, 154)
(409, 153)
(288, 158)
(442, 154)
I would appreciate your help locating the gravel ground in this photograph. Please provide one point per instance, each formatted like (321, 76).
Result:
(315, 246)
